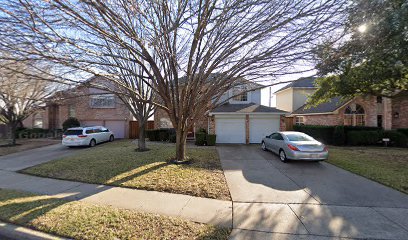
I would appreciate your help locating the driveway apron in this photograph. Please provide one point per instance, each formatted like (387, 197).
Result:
(307, 200)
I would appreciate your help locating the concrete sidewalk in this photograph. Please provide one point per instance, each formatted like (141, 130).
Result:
(203, 210)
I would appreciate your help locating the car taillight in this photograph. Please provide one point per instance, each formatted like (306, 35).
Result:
(325, 149)
(293, 147)
(64, 136)
(82, 136)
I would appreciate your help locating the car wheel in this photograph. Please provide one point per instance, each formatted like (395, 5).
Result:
(92, 143)
(282, 156)
(111, 138)
(264, 146)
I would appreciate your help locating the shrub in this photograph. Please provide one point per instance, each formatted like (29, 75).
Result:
(211, 139)
(32, 133)
(403, 131)
(153, 135)
(162, 134)
(339, 136)
(70, 122)
(397, 138)
(173, 138)
(362, 137)
(200, 139)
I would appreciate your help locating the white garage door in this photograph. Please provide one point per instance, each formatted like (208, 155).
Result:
(91, 123)
(117, 127)
(260, 126)
(230, 130)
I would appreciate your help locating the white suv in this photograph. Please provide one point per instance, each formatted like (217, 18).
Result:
(86, 136)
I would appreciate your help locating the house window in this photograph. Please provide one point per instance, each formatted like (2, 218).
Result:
(71, 111)
(239, 95)
(379, 99)
(38, 121)
(299, 120)
(103, 101)
(354, 115)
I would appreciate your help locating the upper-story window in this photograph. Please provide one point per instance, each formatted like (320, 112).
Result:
(103, 101)
(239, 95)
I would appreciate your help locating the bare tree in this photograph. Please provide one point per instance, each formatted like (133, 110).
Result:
(192, 51)
(20, 95)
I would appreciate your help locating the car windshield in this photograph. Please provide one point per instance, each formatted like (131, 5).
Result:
(73, 132)
(297, 137)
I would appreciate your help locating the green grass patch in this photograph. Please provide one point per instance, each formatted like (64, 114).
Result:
(388, 166)
(118, 164)
(81, 220)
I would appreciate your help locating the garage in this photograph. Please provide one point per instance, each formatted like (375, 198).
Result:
(230, 129)
(262, 125)
(244, 123)
(118, 127)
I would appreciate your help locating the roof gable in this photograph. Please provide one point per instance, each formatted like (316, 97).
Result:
(305, 82)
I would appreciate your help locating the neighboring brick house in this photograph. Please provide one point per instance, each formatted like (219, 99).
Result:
(360, 111)
(240, 119)
(90, 106)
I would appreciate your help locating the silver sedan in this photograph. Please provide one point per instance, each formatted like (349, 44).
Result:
(295, 146)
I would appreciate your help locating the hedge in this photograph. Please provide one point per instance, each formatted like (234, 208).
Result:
(403, 131)
(34, 133)
(200, 138)
(339, 136)
(356, 138)
(162, 134)
(321, 133)
(327, 135)
(397, 138)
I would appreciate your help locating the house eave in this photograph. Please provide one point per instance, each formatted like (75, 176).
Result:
(245, 113)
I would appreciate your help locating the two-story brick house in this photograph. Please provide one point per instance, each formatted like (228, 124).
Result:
(359, 111)
(238, 118)
(91, 106)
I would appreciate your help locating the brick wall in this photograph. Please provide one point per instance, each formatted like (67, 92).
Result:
(369, 103)
(400, 108)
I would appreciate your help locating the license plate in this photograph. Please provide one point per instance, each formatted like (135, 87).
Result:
(315, 156)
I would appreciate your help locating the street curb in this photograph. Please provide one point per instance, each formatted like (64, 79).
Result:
(12, 231)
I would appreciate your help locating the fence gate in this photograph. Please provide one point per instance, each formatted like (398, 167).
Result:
(134, 128)
(288, 123)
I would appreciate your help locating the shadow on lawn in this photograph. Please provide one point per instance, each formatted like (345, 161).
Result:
(24, 209)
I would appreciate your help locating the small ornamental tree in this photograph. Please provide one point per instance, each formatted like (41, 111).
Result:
(70, 122)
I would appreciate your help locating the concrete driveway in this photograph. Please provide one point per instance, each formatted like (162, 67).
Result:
(307, 200)
(29, 158)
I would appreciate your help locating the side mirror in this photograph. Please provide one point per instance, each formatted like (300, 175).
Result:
(268, 137)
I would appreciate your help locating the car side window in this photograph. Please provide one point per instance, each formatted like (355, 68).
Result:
(276, 136)
(89, 131)
(97, 130)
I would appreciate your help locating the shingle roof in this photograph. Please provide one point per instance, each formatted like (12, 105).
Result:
(306, 82)
(246, 108)
(326, 107)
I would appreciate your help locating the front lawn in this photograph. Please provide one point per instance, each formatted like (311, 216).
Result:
(24, 144)
(118, 164)
(388, 166)
(81, 220)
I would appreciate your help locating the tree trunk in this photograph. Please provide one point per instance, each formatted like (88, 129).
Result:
(142, 136)
(12, 133)
(181, 138)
